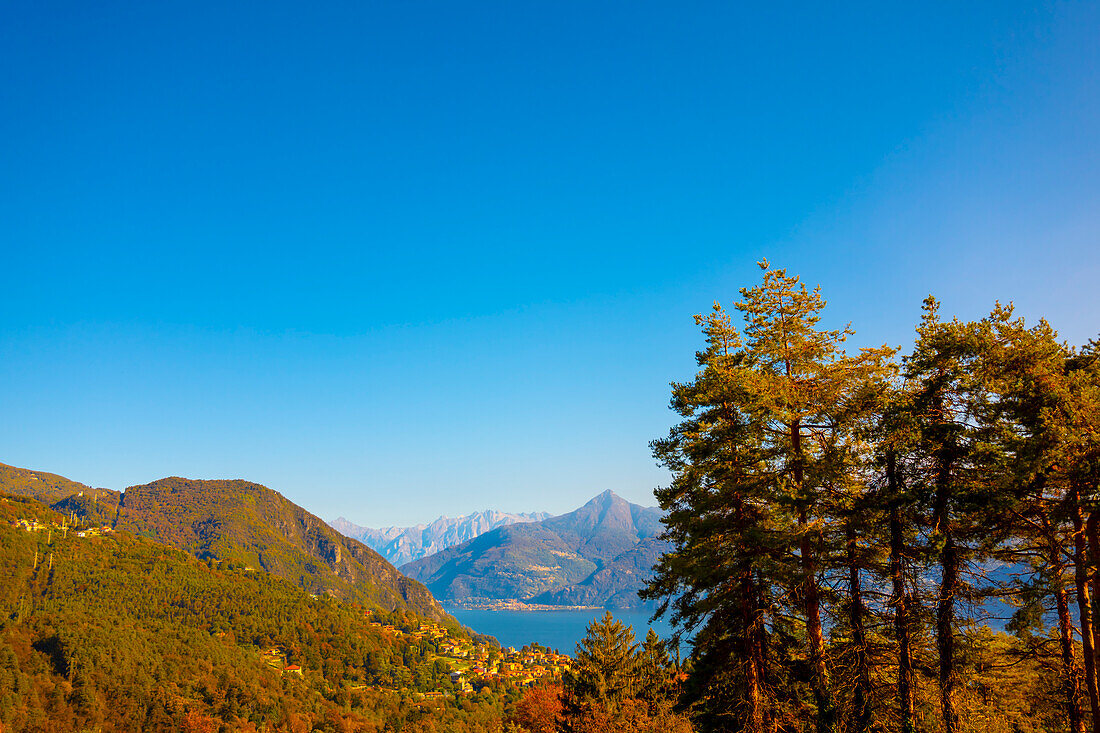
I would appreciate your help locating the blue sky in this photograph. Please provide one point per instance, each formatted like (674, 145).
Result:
(409, 259)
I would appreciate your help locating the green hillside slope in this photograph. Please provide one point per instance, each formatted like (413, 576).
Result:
(246, 524)
(117, 632)
(236, 522)
(64, 495)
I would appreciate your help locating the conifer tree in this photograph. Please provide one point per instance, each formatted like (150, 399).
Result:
(894, 445)
(945, 404)
(1043, 398)
(605, 670)
(763, 446)
(655, 669)
(1079, 452)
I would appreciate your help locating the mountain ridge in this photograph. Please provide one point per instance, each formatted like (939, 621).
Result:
(218, 519)
(236, 522)
(599, 554)
(134, 634)
(402, 545)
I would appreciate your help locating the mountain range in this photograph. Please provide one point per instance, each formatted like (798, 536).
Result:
(254, 614)
(402, 545)
(598, 555)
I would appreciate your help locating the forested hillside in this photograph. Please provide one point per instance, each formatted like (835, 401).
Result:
(252, 526)
(238, 522)
(115, 632)
(65, 495)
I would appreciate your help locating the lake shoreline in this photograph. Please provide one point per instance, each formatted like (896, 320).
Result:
(514, 605)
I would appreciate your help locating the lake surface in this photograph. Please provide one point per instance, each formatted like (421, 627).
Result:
(559, 630)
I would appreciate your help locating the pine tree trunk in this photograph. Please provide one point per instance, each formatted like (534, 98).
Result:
(1069, 663)
(815, 637)
(861, 697)
(752, 651)
(1071, 678)
(949, 587)
(945, 633)
(754, 682)
(1092, 534)
(762, 648)
(900, 601)
(1084, 607)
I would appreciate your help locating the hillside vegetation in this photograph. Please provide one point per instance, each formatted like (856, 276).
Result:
(117, 632)
(250, 525)
(237, 522)
(64, 495)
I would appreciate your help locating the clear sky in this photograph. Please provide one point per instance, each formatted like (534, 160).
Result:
(397, 260)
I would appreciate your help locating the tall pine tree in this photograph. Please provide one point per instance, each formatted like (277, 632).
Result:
(755, 464)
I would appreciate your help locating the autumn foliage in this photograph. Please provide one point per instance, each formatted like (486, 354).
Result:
(539, 709)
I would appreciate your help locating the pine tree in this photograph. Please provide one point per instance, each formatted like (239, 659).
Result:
(1043, 399)
(655, 669)
(894, 447)
(605, 671)
(945, 404)
(756, 463)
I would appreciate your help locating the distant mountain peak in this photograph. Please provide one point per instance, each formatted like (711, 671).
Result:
(610, 497)
(607, 495)
(598, 554)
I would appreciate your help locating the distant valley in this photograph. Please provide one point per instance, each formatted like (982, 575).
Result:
(402, 545)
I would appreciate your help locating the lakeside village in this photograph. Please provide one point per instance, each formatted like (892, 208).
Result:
(514, 605)
(474, 665)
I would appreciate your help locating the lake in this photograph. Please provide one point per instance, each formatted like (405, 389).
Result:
(559, 630)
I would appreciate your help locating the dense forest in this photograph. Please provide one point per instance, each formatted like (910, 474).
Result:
(867, 542)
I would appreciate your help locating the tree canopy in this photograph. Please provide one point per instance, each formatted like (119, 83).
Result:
(843, 523)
